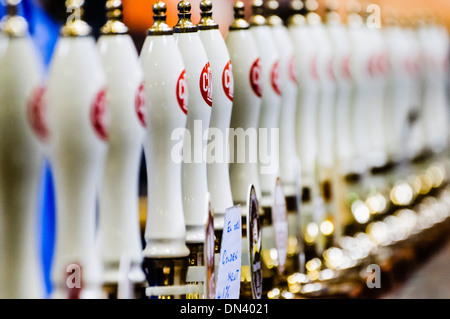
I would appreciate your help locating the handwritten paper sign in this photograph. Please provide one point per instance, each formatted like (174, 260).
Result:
(229, 274)
(280, 225)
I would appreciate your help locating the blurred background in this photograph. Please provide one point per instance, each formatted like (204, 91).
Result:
(138, 13)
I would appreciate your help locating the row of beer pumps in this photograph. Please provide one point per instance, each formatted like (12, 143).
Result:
(343, 112)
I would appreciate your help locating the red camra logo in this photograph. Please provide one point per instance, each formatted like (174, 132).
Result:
(182, 94)
(275, 77)
(206, 84)
(98, 112)
(313, 68)
(384, 64)
(227, 81)
(330, 70)
(36, 113)
(255, 78)
(140, 104)
(346, 68)
(379, 65)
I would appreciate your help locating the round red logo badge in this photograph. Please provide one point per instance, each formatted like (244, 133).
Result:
(313, 66)
(140, 104)
(255, 78)
(98, 112)
(206, 84)
(346, 67)
(36, 113)
(275, 77)
(182, 93)
(293, 69)
(330, 69)
(227, 81)
(383, 64)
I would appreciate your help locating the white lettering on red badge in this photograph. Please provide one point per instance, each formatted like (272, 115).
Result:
(182, 93)
(227, 81)
(206, 84)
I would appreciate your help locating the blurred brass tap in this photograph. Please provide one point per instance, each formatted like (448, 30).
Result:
(114, 14)
(184, 24)
(272, 7)
(297, 17)
(257, 18)
(159, 26)
(206, 21)
(12, 24)
(75, 26)
(239, 22)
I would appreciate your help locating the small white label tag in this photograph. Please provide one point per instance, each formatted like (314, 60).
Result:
(229, 274)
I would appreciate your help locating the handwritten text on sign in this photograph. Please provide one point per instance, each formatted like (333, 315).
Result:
(229, 274)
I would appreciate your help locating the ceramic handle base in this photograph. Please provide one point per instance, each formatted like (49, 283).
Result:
(166, 272)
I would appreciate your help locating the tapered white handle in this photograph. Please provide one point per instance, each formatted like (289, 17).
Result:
(77, 121)
(194, 171)
(326, 106)
(268, 141)
(378, 69)
(119, 231)
(222, 104)
(343, 148)
(360, 55)
(308, 95)
(167, 97)
(288, 82)
(21, 156)
(245, 59)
